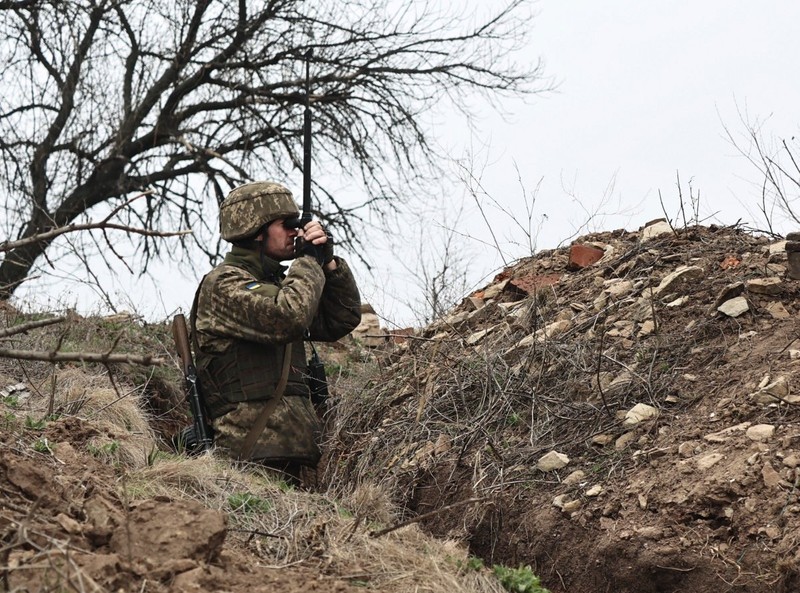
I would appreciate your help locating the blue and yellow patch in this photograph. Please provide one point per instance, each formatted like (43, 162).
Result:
(252, 285)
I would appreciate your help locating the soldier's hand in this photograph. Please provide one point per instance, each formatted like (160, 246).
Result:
(315, 242)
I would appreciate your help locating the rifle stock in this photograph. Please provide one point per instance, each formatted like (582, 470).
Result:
(181, 336)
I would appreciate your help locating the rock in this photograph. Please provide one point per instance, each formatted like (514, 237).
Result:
(602, 439)
(478, 336)
(728, 292)
(734, 307)
(794, 264)
(595, 490)
(495, 290)
(778, 247)
(770, 286)
(639, 413)
(575, 477)
(772, 479)
(369, 331)
(678, 279)
(792, 460)
(618, 288)
(572, 506)
(583, 256)
(680, 301)
(723, 435)
(623, 441)
(559, 500)
(648, 327)
(552, 461)
(777, 310)
(687, 449)
(708, 461)
(760, 432)
(655, 229)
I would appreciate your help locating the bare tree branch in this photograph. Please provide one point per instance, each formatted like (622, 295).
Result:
(109, 98)
(24, 327)
(98, 357)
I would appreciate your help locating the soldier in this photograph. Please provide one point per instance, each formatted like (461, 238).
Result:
(250, 318)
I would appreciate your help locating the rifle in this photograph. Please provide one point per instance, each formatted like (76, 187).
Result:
(200, 423)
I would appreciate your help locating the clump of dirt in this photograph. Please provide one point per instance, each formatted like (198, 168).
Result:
(628, 426)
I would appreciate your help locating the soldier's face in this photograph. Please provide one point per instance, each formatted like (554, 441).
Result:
(279, 243)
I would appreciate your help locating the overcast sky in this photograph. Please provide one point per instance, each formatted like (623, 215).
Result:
(644, 90)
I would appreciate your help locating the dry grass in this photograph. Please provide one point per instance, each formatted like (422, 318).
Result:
(279, 524)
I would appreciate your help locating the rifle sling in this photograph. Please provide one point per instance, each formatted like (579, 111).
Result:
(272, 403)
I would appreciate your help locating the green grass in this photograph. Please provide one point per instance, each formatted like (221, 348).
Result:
(245, 502)
(518, 580)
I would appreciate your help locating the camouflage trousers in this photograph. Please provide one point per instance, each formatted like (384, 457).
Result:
(291, 435)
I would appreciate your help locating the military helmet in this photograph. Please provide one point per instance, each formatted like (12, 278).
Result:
(252, 205)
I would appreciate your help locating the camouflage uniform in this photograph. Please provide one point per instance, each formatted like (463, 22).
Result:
(246, 310)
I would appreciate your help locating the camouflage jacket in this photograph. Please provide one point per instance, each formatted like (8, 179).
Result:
(246, 313)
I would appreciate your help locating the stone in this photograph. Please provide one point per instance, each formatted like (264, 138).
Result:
(478, 336)
(772, 479)
(647, 328)
(552, 461)
(656, 229)
(618, 288)
(575, 477)
(778, 247)
(794, 264)
(678, 302)
(734, 307)
(495, 290)
(678, 279)
(706, 462)
(687, 449)
(583, 256)
(728, 292)
(792, 460)
(760, 432)
(602, 439)
(769, 286)
(369, 330)
(793, 236)
(777, 310)
(559, 500)
(595, 490)
(623, 441)
(725, 434)
(572, 506)
(639, 413)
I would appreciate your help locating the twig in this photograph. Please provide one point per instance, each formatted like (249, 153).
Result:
(104, 358)
(23, 327)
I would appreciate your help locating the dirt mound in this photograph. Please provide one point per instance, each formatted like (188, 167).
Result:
(625, 424)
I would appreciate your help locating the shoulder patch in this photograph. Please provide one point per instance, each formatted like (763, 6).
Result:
(252, 285)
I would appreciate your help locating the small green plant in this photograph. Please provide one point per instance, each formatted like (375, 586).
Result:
(472, 564)
(513, 419)
(34, 424)
(245, 502)
(12, 401)
(42, 446)
(518, 580)
(104, 450)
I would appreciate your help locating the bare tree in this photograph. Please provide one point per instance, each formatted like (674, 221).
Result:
(103, 99)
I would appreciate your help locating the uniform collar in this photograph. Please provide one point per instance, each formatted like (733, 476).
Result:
(251, 261)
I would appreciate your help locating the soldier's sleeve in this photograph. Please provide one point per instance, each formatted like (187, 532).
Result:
(238, 306)
(339, 310)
